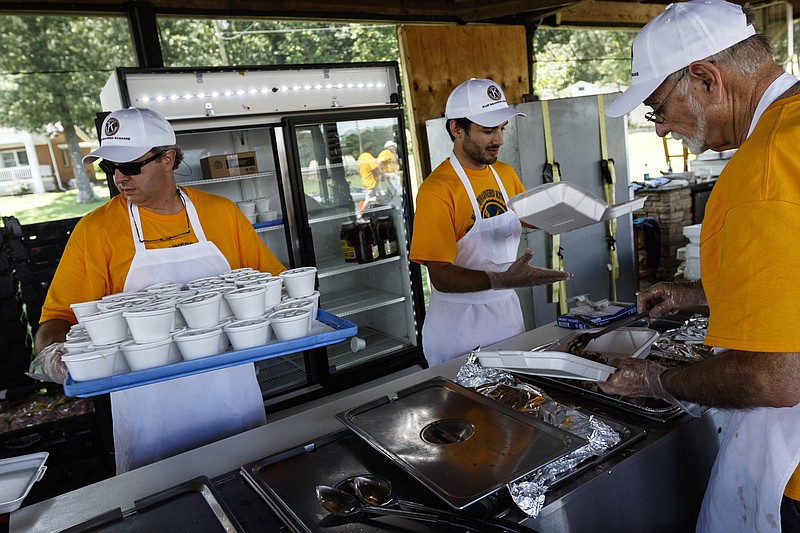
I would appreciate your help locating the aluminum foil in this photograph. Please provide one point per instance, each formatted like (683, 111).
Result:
(528, 493)
(685, 343)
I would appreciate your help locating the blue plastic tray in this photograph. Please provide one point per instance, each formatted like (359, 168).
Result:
(342, 329)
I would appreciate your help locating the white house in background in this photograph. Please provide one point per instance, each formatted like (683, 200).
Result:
(31, 162)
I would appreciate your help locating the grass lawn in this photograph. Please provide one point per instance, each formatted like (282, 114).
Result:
(34, 208)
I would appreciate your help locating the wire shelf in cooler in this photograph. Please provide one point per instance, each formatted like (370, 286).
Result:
(341, 356)
(349, 213)
(333, 267)
(268, 174)
(350, 302)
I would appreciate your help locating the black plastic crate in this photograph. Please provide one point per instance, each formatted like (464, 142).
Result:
(20, 250)
(42, 233)
(66, 439)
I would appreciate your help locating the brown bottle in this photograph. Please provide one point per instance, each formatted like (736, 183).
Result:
(367, 249)
(387, 237)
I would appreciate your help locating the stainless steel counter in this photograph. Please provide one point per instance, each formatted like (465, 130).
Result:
(655, 484)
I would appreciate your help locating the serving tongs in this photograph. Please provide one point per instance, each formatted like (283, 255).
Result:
(577, 345)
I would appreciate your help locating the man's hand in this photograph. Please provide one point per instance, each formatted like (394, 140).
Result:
(637, 378)
(522, 274)
(48, 366)
(666, 298)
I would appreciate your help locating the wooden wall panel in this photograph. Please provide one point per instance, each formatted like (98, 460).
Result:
(435, 59)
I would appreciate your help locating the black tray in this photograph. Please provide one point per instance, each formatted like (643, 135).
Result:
(191, 506)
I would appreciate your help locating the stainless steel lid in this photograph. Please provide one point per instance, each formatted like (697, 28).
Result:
(458, 443)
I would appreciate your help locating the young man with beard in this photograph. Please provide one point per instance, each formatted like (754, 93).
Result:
(465, 234)
(716, 87)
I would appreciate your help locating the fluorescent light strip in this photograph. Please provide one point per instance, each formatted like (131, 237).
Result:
(263, 90)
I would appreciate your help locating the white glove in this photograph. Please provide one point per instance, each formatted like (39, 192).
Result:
(48, 366)
(522, 274)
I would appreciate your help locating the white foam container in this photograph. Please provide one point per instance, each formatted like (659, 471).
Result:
(299, 282)
(106, 327)
(17, 476)
(560, 206)
(197, 343)
(288, 324)
(201, 310)
(150, 323)
(147, 355)
(245, 334)
(97, 364)
(692, 233)
(246, 302)
(554, 362)
(82, 309)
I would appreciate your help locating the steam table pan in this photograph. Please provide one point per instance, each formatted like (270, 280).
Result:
(191, 506)
(459, 444)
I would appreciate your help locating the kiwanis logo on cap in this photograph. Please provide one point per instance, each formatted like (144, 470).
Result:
(494, 93)
(112, 127)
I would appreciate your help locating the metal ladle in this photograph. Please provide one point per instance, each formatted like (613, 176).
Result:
(341, 503)
(377, 491)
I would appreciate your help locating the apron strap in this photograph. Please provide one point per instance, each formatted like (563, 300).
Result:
(462, 175)
(193, 218)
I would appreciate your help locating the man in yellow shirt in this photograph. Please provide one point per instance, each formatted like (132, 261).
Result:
(465, 234)
(371, 173)
(722, 91)
(390, 166)
(155, 231)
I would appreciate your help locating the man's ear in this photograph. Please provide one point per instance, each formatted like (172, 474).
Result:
(454, 128)
(708, 76)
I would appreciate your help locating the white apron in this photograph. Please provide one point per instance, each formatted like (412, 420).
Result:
(455, 323)
(761, 448)
(163, 419)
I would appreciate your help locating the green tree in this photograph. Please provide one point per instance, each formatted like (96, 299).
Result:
(563, 57)
(52, 69)
(269, 42)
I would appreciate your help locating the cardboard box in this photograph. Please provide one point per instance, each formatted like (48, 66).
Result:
(226, 165)
(602, 318)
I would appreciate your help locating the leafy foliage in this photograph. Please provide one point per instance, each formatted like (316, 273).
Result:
(269, 42)
(52, 69)
(562, 57)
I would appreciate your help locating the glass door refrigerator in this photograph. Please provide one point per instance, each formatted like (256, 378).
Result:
(294, 141)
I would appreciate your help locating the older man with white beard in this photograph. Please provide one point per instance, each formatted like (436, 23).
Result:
(712, 83)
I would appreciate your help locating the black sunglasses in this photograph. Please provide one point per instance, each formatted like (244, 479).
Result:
(129, 169)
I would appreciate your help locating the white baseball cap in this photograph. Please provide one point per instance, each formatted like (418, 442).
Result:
(683, 33)
(130, 133)
(480, 100)
(389, 144)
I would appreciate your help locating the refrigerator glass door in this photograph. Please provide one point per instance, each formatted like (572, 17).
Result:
(354, 214)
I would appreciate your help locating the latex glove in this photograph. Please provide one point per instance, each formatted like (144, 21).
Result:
(638, 378)
(667, 298)
(522, 274)
(48, 366)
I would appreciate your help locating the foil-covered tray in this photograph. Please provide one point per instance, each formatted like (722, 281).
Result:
(461, 445)
(191, 506)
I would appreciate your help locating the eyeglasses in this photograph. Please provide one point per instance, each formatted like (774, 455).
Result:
(129, 169)
(655, 115)
(163, 239)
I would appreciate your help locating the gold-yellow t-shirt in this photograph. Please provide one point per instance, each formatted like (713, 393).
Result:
(366, 167)
(388, 161)
(750, 243)
(444, 213)
(98, 255)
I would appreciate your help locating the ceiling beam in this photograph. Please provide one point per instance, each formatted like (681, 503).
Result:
(614, 14)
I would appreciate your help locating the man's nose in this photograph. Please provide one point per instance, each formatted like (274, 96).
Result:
(662, 130)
